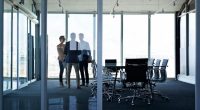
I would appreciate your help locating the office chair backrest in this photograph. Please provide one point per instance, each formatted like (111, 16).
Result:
(151, 62)
(156, 74)
(164, 64)
(157, 64)
(136, 70)
(110, 62)
(137, 61)
(136, 73)
(150, 67)
(163, 72)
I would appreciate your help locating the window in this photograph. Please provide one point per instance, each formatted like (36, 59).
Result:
(135, 36)
(111, 37)
(55, 28)
(23, 60)
(82, 23)
(162, 40)
(7, 51)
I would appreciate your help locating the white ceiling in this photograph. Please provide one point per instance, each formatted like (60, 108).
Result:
(127, 6)
(136, 6)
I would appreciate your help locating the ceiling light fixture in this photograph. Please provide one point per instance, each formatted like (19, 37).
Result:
(172, 3)
(61, 6)
(113, 9)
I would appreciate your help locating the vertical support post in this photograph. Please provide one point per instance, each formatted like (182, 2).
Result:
(99, 53)
(122, 39)
(197, 85)
(11, 51)
(18, 49)
(37, 48)
(1, 51)
(149, 35)
(66, 25)
(177, 45)
(187, 42)
(94, 36)
(44, 55)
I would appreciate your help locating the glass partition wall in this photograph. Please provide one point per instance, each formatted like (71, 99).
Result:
(22, 50)
(135, 40)
(14, 51)
(55, 28)
(7, 51)
(15, 48)
(135, 37)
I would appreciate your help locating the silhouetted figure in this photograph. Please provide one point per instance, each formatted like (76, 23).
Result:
(72, 51)
(60, 49)
(84, 58)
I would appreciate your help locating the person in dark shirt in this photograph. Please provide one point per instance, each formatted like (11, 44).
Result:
(72, 50)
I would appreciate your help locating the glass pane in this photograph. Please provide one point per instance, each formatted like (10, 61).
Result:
(14, 82)
(22, 49)
(135, 36)
(111, 37)
(55, 28)
(33, 34)
(162, 40)
(192, 43)
(7, 49)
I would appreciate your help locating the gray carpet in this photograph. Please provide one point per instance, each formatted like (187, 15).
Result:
(181, 95)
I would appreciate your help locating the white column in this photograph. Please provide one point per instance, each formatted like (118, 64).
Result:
(99, 53)
(1, 51)
(197, 85)
(44, 58)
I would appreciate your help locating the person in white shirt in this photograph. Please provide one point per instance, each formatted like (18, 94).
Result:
(84, 58)
(72, 50)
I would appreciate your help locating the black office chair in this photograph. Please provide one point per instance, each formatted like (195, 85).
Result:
(109, 63)
(160, 76)
(150, 66)
(136, 80)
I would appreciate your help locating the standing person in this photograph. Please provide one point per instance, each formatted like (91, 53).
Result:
(60, 49)
(84, 58)
(72, 51)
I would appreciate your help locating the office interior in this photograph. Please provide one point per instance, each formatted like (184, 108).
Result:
(115, 29)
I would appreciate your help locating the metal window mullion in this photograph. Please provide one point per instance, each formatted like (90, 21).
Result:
(1, 51)
(11, 51)
(94, 36)
(122, 39)
(149, 35)
(17, 48)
